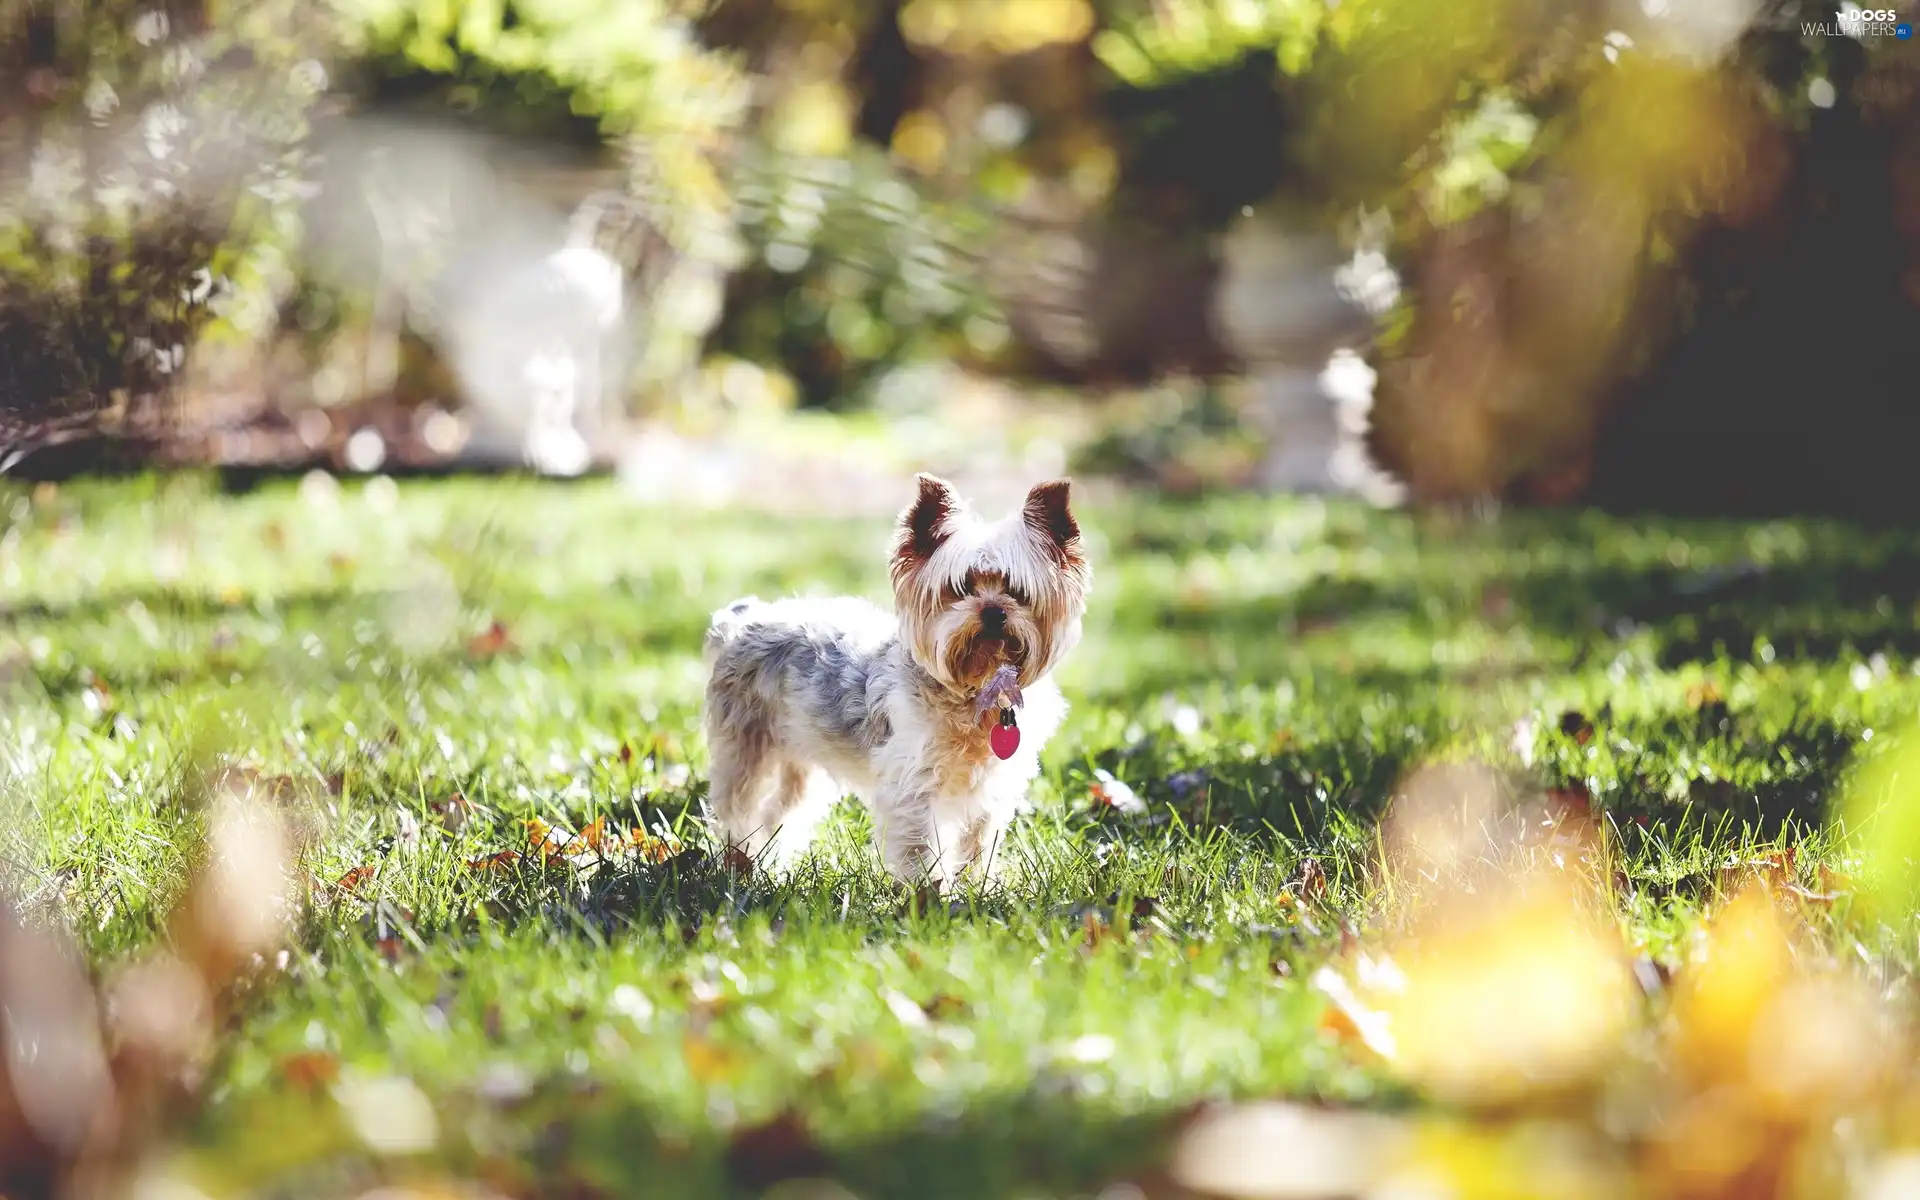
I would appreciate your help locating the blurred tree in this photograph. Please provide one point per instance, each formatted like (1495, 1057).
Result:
(142, 146)
(1618, 225)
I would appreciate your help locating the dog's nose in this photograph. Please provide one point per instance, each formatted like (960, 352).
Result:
(993, 619)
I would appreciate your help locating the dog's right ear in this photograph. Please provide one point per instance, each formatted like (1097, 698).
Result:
(927, 522)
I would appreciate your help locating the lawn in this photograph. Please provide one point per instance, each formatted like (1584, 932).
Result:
(420, 674)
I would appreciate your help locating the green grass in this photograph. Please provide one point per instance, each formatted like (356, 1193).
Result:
(1263, 674)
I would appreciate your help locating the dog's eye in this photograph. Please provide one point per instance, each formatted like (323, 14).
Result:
(1019, 596)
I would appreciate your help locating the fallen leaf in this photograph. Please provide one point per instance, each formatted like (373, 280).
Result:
(650, 848)
(97, 697)
(310, 1070)
(1349, 1020)
(1810, 896)
(760, 1156)
(1496, 604)
(626, 753)
(1570, 803)
(1094, 930)
(544, 838)
(906, 1011)
(1651, 974)
(352, 880)
(706, 1061)
(390, 948)
(1574, 724)
(944, 1007)
(1703, 694)
(453, 812)
(1275, 1149)
(593, 839)
(1313, 881)
(1772, 871)
(495, 862)
(1108, 792)
(495, 639)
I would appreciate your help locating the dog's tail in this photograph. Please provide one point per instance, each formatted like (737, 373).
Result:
(726, 624)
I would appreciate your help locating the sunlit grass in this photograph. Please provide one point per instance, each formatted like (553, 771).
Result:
(417, 673)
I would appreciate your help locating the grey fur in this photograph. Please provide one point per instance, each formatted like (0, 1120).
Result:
(809, 698)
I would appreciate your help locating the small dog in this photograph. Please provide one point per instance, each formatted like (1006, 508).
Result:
(811, 698)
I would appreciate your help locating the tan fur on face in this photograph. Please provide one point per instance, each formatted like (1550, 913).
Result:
(949, 567)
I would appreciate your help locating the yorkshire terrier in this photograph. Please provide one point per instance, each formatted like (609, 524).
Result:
(934, 714)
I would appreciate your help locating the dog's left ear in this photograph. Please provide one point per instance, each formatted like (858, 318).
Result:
(1048, 514)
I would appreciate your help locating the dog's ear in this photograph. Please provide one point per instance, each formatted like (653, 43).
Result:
(927, 522)
(1048, 514)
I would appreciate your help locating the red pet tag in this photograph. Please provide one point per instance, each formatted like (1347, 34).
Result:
(1005, 737)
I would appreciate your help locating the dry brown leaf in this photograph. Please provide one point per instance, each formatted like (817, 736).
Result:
(1496, 604)
(310, 1070)
(547, 841)
(942, 1007)
(496, 638)
(760, 1156)
(708, 1062)
(453, 812)
(1312, 883)
(494, 862)
(1574, 724)
(351, 881)
(1821, 899)
(592, 839)
(1704, 694)
(1772, 871)
(650, 848)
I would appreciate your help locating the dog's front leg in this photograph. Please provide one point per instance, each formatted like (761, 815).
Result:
(909, 844)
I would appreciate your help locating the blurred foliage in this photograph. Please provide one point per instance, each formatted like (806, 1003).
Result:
(143, 148)
(856, 273)
(1181, 439)
(633, 66)
(1578, 197)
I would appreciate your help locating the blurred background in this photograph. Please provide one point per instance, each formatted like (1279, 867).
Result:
(344, 848)
(1638, 253)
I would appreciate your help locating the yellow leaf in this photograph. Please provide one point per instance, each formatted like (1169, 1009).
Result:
(1720, 995)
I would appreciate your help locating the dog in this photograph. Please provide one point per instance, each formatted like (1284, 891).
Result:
(809, 699)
